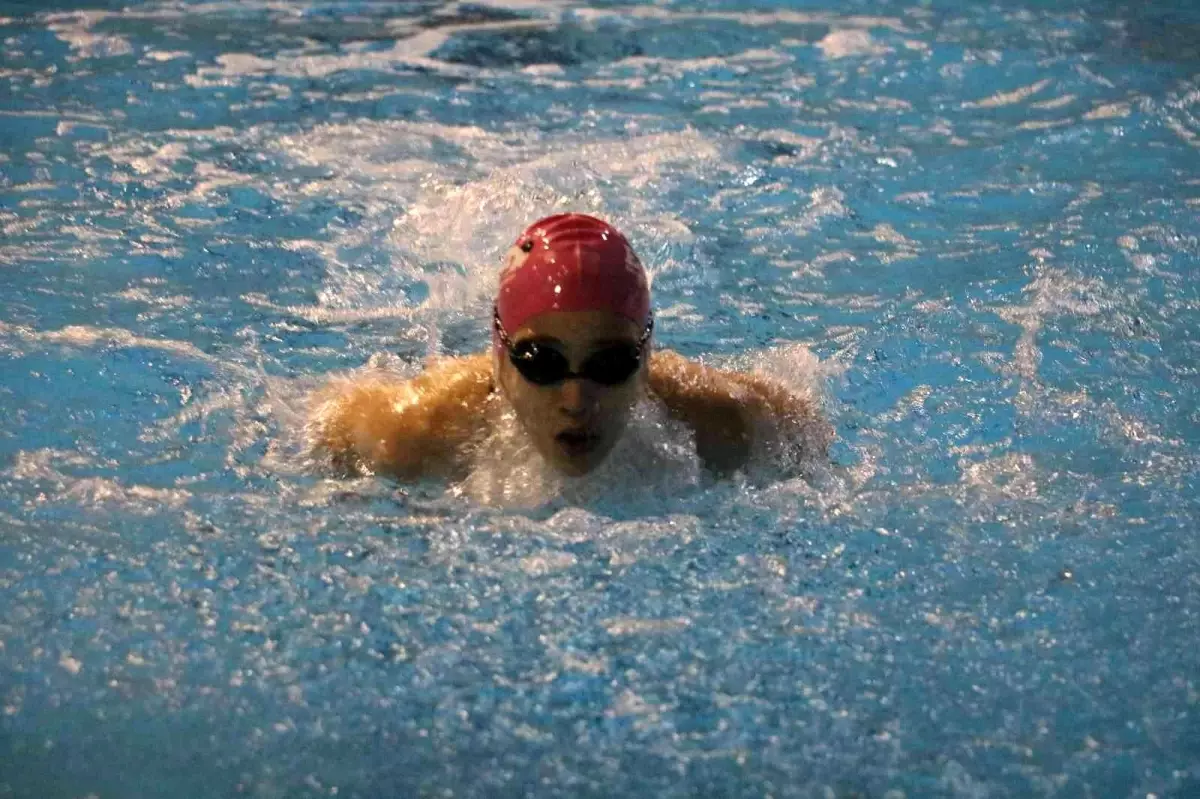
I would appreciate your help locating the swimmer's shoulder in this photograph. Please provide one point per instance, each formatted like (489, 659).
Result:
(412, 427)
(462, 375)
(456, 392)
(708, 402)
(732, 411)
(674, 378)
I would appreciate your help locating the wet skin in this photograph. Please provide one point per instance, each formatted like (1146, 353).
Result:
(575, 423)
(432, 424)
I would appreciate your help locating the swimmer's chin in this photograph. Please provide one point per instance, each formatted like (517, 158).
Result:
(575, 454)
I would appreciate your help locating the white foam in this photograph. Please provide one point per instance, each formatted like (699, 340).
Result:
(45, 465)
(412, 50)
(166, 55)
(1009, 97)
(677, 67)
(1009, 476)
(74, 29)
(148, 161)
(1052, 292)
(88, 336)
(847, 43)
(544, 563)
(747, 18)
(631, 625)
(144, 295)
(67, 127)
(473, 223)
(654, 458)
(824, 202)
(325, 315)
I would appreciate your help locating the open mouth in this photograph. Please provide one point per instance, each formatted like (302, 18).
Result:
(577, 442)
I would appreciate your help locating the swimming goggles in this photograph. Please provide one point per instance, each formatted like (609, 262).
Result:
(545, 366)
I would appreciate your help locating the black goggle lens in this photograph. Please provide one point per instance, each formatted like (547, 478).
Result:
(544, 366)
(612, 365)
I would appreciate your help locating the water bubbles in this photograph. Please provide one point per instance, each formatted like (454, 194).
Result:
(238, 201)
(269, 542)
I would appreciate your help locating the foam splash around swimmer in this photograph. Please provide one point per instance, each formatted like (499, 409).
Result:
(654, 457)
(652, 468)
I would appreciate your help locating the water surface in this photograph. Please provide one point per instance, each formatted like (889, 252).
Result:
(982, 218)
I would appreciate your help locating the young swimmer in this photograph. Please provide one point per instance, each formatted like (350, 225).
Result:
(571, 357)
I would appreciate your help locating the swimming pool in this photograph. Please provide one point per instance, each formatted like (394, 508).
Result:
(982, 218)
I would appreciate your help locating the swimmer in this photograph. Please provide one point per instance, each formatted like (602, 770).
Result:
(571, 357)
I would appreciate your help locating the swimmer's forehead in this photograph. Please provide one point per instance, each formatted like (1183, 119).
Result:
(580, 328)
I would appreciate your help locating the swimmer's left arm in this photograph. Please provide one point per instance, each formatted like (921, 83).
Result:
(730, 411)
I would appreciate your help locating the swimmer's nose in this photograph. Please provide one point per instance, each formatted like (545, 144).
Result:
(577, 398)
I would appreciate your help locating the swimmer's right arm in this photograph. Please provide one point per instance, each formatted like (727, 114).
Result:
(407, 428)
(730, 411)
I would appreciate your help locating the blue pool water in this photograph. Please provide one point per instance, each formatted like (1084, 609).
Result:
(981, 217)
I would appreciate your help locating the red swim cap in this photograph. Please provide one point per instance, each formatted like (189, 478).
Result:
(571, 262)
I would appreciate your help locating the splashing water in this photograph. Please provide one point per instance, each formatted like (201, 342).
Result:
(981, 218)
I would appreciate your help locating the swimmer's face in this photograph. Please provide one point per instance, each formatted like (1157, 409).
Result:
(575, 422)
